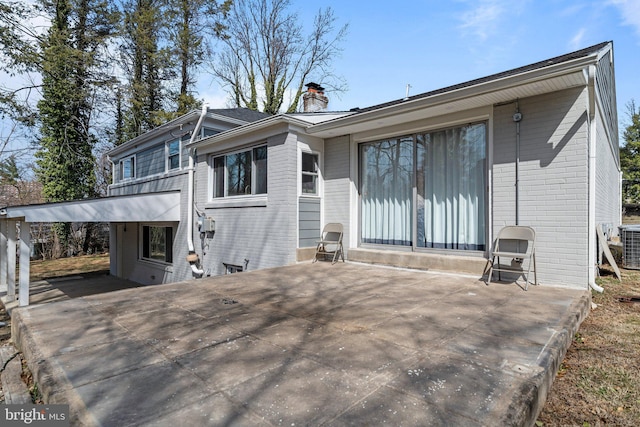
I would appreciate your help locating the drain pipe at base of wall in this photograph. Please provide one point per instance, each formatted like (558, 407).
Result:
(592, 179)
(193, 259)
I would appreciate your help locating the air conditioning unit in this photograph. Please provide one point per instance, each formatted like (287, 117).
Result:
(630, 237)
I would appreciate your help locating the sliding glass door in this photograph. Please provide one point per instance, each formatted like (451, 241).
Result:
(386, 190)
(451, 188)
(447, 169)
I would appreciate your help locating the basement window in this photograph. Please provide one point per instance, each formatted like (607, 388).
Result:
(232, 268)
(157, 243)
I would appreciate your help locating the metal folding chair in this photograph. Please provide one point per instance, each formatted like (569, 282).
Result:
(516, 243)
(331, 242)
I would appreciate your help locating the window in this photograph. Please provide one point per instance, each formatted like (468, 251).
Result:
(173, 155)
(231, 268)
(309, 173)
(157, 243)
(435, 180)
(241, 173)
(128, 168)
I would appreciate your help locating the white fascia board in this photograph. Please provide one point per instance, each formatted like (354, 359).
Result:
(527, 77)
(321, 117)
(250, 128)
(149, 207)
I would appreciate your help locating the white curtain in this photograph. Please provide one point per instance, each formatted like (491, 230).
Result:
(386, 190)
(451, 188)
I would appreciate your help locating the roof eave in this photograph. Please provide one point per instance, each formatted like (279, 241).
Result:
(141, 139)
(153, 133)
(249, 128)
(531, 76)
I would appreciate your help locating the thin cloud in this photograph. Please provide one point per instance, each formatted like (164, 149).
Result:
(630, 12)
(481, 20)
(485, 18)
(576, 41)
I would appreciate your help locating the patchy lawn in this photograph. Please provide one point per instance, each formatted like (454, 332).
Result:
(50, 268)
(599, 380)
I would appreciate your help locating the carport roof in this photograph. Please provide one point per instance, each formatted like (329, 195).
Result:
(153, 207)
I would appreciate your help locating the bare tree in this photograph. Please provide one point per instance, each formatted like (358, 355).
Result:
(267, 58)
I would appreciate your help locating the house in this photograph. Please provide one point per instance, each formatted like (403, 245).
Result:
(423, 182)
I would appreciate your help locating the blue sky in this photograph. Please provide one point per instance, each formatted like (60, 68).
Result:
(431, 44)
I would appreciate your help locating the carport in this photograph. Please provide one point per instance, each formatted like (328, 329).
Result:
(16, 239)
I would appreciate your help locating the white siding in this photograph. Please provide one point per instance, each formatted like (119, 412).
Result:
(309, 222)
(607, 180)
(553, 180)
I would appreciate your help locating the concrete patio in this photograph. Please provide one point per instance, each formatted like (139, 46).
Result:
(309, 344)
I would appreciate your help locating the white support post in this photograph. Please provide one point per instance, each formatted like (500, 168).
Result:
(25, 262)
(113, 250)
(11, 261)
(3, 256)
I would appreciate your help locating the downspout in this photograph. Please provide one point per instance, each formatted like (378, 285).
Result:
(591, 252)
(192, 258)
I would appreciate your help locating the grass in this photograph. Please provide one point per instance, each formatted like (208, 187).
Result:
(599, 380)
(46, 269)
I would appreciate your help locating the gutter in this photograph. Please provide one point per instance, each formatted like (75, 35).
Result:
(439, 98)
(192, 258)
(248, 129)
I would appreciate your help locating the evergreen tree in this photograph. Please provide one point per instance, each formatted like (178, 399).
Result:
(193, 24)
(19, 56)
(146, 63)
(70, 51)
(630, 157)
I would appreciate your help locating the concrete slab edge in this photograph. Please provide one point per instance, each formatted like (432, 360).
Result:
(529, 400)
(54, 388)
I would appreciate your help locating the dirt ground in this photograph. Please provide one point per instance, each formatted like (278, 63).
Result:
(599, 380)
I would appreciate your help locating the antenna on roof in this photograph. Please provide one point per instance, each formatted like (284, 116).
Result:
(407, 93)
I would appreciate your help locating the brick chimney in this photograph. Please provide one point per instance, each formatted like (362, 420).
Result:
(313, 99)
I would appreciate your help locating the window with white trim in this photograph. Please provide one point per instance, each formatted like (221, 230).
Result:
(128, 168)
(173, 155)
(240, 173)
(309, 175)
(157, 243)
